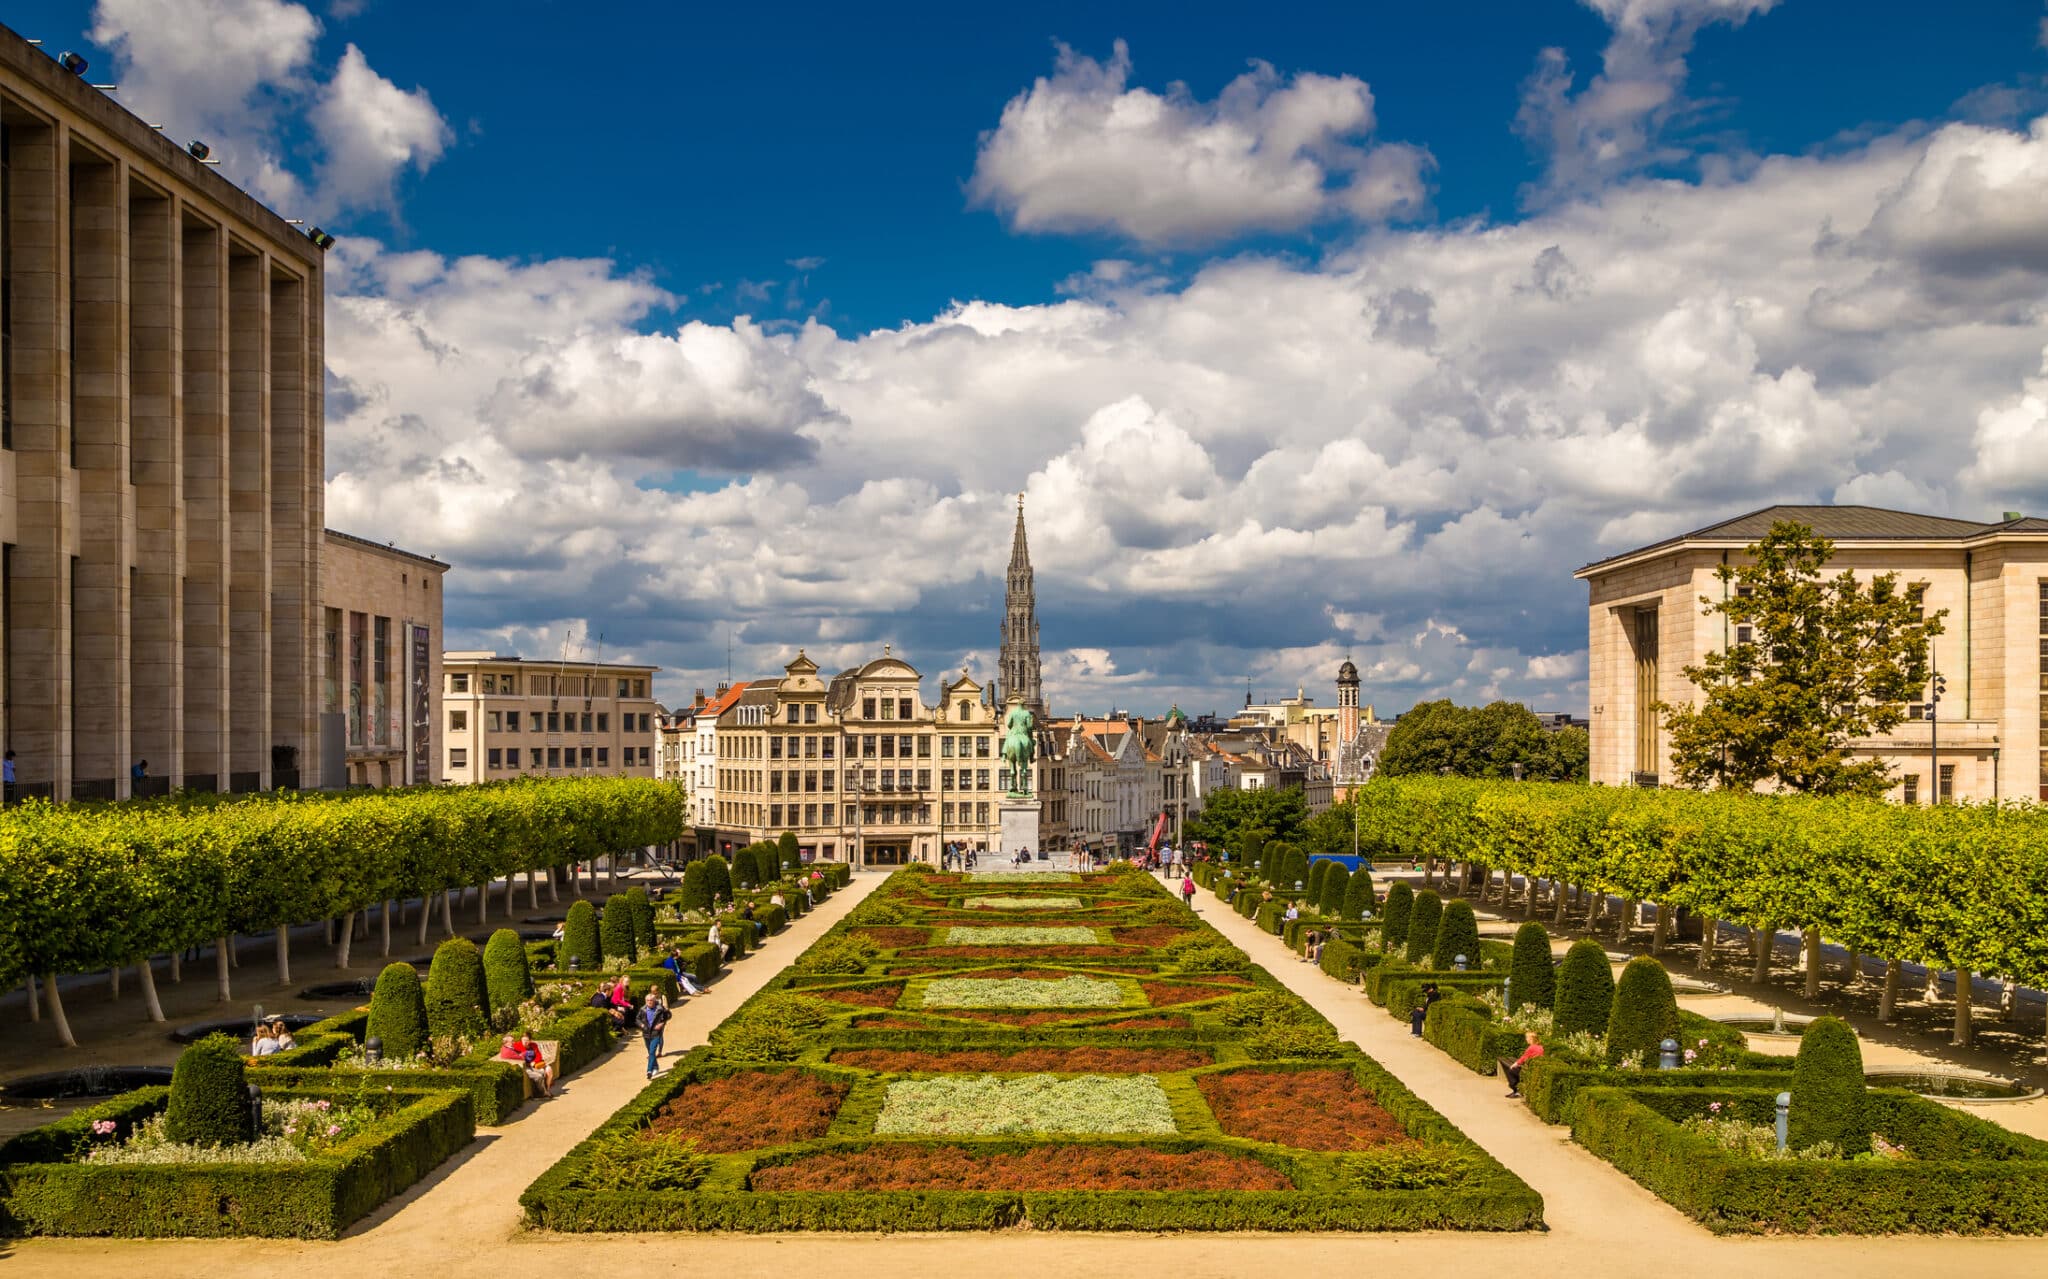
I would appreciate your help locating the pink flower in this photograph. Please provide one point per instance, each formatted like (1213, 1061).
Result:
(1703, 1043)
(321, 1104)
(332, 1129)
(103, 1127)
(1714, 1106)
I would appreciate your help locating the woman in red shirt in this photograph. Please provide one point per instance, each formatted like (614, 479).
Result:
(1513, 1069)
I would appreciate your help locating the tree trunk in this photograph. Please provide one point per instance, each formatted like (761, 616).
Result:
(1662, 931)
(221, 964)
(114, 984)
(284, 955)
(1812, 962)
(35, 1001)
(483, 902)
(1762, 938)
(425, 914)
(348, 936)
(1709, 926)
(327, 929)
(448, 910)
(554, 891)
(234, 953)
(1591, 902)
(1626, 919)
(1888, 1000)
(148, 980)
(1852, 974)
(511, 887)
(532, 889)
(56, 1002)
(177, 966)
(384, 917)
(1563, 904)
(1965, 991)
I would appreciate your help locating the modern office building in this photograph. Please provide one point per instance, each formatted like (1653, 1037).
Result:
(380, 664)
(1984, 740)
(506, 716)
(160, 456)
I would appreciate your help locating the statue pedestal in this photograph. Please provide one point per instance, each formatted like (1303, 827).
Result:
(1020, 828)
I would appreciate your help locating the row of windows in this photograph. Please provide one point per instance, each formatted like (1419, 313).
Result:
(550, 721)
(507, 683)
(810, 781)
(1948, 785)
(507, 758)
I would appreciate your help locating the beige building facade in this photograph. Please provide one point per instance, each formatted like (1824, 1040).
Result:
(160, 457)
(1985, 739)
(505, 717)
(380, 664)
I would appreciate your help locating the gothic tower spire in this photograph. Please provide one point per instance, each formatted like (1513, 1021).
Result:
(1019, 661)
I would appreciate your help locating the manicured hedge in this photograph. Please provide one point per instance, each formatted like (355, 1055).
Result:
(1967, 1176)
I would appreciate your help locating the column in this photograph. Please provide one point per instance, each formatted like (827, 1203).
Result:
(203, 363)
(294, 536)
(156, 667)
(39, 583)
(99, 422)
(248, 519)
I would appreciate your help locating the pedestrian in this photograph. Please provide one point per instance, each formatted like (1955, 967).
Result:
(7, 777)
(653, 1020)
(139, 773)
(1420, 1013)
(1187, 891)
(1513, 1069)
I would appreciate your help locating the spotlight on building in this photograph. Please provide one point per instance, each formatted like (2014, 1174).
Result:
(71, 62)
(198, 150)
(320, 239)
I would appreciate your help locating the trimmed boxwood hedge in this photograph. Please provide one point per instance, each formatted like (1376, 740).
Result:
(43, 1193)
(1423, 919)
(1966, 1176)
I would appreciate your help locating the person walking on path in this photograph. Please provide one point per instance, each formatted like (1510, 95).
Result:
(653, 1020)
(1187, 891)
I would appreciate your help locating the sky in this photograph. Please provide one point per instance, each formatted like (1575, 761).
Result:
(1306, 331)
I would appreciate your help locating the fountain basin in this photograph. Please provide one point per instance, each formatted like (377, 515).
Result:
(1768, 1027)
(241, 1027)
(86, 1081)
(1952, 1085)
(356, 991)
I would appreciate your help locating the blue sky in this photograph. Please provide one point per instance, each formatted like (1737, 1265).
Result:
(757, 315)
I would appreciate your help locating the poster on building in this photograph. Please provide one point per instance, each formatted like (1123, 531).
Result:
(422, 706)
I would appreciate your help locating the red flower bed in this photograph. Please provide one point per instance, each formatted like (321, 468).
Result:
(745, 1111)
(890, 938)
(1162, 995)
(1167, 1021)
(1309, 1109)
(903, 1166)
(1041, 1018)
(1111, 1061)
(1020, 952)
(871, 997)
(1149, 934)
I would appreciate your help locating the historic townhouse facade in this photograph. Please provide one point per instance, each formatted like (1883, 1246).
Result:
(507, 716)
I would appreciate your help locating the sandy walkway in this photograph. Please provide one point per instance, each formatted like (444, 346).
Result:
(464, 1222)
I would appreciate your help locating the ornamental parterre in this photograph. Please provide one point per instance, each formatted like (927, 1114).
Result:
(1026, 935)
(943, 1088)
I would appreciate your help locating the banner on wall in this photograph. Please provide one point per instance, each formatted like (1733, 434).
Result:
(422, 706)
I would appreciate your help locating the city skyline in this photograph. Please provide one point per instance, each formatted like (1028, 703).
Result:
(1355, 350)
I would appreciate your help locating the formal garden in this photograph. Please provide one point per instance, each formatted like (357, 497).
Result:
(1058, 1051)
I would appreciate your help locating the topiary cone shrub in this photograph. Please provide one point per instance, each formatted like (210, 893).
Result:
(1828, 1099)
(746, 871)
(788, 853)
(1331, 899)
(1585, 989)
(696, 891)
(1457, 933)
(643, 919)
(1293, 870)
(1644, 1014)
(1318, 874)
(1357, 895)
(717, 877)
(507, 978)
(1400, 905)
(579, 938)
(210, 1095)
(398, 1012)
(1423, 918)
(456, 995)
(1532, 978)
(615, 927)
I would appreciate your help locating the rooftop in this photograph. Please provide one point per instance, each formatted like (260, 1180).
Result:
(1839, 523)
(386, 548)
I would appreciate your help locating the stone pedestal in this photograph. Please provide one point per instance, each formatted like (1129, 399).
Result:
(1020, 828)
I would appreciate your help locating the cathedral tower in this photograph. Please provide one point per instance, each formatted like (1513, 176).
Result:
(1018, 664)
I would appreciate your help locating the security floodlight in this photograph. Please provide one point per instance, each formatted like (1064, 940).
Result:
(321, 240)
(198, 150)
(71, 62)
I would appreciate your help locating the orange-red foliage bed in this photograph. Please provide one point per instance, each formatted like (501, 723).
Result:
(1309, 1109)
(1164, 995)
(1129, 1061)
(900, 1166)
(1149, 934)
(892, 938)
(756, 1108)
(870, 997)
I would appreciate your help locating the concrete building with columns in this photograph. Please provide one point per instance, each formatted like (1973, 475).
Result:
(160, 456)
(380, 664)
(1986, 739)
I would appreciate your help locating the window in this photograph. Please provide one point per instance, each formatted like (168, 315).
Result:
(888, 779)
(825, 812)
(490, 682)
(554, 721)
(647, 722)
(810, 814)
(963, 709)
(775, 783)
(492, 721)
(828, 744)
(1912, 795)
(924, 779)
(946, 813)
(903, 746)
(888, 746)
(981, 814)
(924, 814)
(867, 746)
(775, 748)
(639, 688)
(981, 779)
(811, 713)
(586, 721)
(554, 757)
(945, 779)
(795, 713)
(458, 721)
(867, 708)
(459, 682)
(1743, 635)
(945, 748)
(1948, 783)
(902, 708)
(775, 814)
(604, 722)
(625, 688)
(1003, 778)
(512, 758)
(603, 756)
(924, 748)
(888, 708)
(810, 748)
(981, 747)
(511, 721)
(811, 781)
(494, 759)
(458, 757)
(827, 776)
(533, 759)
(644, 754)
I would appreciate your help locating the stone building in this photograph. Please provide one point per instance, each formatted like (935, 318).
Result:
(380, 664)
(1646, 623)
(160, 456)
(507, 716)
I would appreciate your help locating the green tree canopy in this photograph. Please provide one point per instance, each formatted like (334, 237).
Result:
(1828, 660)
(1481, 741)
(1228, 815)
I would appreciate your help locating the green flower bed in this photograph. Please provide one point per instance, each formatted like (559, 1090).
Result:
(1111, 1043)
(1020, 877)
(997, 1105)
(994, 902)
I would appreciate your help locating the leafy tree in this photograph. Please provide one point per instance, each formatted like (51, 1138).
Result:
(1457, 933)
(1357, 895)
(1227, 816)
(398, 1012)
(1828, 1098)
(458, 999)
(1830, 660)
(1532, 979)
(1423, 919)
(209, 1103)
(1585, 988)
(1400, 905)
(507, 977)
(1644, 1013)
(1482, 741)
(1571, 752)
(1336, 881)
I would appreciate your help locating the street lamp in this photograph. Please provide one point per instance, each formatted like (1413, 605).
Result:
(1937, 686)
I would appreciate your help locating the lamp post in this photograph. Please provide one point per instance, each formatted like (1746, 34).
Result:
(1936, 687)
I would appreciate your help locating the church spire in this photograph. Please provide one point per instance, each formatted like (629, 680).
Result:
(1019, 661)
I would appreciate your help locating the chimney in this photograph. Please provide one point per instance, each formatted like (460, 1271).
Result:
(700, 694)
(722, 689)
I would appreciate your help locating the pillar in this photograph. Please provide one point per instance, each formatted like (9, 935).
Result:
(249, 689)
(156, 671)
(203, 365)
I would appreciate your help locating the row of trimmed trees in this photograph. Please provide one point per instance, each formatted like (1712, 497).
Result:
(85, 887)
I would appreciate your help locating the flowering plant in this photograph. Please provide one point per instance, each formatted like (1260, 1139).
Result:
(990, 1105)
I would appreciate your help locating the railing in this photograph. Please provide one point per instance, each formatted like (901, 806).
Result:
(104, 788)
(245, 783)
